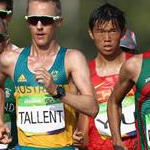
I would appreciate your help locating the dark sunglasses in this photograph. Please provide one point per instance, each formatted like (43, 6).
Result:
(2, 37)
(44, 19)
(4, 13)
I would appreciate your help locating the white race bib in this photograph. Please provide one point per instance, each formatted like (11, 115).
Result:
(127, 123)
(147, 117)
(42, 118)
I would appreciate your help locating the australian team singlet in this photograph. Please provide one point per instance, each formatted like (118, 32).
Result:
(142, 97)
(99, 131)
(42, 121)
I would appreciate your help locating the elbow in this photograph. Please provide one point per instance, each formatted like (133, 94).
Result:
(94, 111)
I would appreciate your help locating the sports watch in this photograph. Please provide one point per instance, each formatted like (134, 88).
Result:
(60, 92)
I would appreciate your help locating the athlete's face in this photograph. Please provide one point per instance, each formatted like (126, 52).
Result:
(42, 34)
(106, 37)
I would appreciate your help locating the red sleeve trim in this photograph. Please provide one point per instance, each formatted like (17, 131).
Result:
(146, 54)
(92, 66)
(128, 55)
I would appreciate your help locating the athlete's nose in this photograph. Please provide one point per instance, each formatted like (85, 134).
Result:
(106, 36)
(39, 25)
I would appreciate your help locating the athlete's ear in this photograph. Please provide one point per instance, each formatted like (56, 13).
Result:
(59, 22)
(91, 34)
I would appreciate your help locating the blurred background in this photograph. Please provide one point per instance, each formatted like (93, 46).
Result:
(74, 30)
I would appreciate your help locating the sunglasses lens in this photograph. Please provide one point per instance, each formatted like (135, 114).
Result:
(44, 20)
(3, 15)
(2, 38)
(47, 20)
(32, 20)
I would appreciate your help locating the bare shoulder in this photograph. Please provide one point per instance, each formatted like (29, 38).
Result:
(76, 60)
(75, 53)
(132, 67)
(133, 63)
(9, 56)
(75, 56)
(18, 50)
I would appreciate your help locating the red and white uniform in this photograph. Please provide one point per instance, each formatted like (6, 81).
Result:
(99, 132)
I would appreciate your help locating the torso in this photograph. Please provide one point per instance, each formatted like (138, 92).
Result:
(26, 89)
(143, 102)
(98, 129)
(10, 115)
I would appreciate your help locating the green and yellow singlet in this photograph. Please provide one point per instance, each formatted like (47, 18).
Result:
(42, 121)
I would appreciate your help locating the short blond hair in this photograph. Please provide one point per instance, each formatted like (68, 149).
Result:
(56, 2)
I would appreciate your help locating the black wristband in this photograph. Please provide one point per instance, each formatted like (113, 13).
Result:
(60, 92)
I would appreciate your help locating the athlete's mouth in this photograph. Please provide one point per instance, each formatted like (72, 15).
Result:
(40, 34)
(107, 46)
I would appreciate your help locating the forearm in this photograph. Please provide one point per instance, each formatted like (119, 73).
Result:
(83, 126)
(85, 104)
(80, 135)
(114, 118)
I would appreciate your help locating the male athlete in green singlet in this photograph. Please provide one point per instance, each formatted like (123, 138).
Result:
(49, 84)
(3, 42)
(6, 11)
(135, 71)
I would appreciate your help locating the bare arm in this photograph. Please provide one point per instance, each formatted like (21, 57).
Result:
(85, 102)
(127, 77)
(2, 99)
(80, 135)
(79, 77)
(4, 129)
(6, 66)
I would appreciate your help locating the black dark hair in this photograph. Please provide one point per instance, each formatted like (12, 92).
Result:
(107, 12)
(8, 3)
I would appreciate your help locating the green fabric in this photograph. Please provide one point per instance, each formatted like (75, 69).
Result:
(32, 148)
(145, 115)
(57, 70)
(10, 110)
(142, 101)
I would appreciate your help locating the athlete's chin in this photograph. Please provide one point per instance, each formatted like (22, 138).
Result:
(108, 52)
(41, 43)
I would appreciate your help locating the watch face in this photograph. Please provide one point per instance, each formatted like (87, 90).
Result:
(60, 92)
